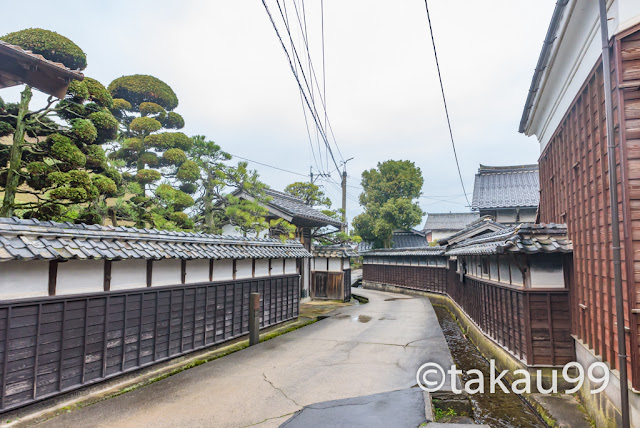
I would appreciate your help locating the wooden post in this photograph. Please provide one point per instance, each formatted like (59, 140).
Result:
(210, 270)
(149, 272)
(254, 319)
(53, 277)
(107, 275)
(183, 271)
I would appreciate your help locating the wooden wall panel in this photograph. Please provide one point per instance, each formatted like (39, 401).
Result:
(56, 344)
(575, 190)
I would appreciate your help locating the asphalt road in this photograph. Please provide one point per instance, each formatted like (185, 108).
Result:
(362, 356)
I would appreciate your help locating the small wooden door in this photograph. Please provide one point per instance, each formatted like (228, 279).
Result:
(320, 280)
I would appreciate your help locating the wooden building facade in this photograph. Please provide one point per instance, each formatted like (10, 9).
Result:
(513, 284)
(82, 304)
(331, 272)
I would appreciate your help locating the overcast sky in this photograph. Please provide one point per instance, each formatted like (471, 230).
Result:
(225, 63)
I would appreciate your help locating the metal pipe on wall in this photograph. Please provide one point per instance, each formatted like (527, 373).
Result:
(615, 220)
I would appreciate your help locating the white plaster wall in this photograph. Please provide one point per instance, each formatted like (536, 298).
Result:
(126, 274)
(262, 267)
(222, 269)
(166, 272)
(231, 230)
(244, 268)
(437, 235)
(197, 271)
(503, 266)
(80, 276)
(575, 52)
(277, 267)
(493, 268)
(546, 272)
(23, 279)
(506, 216)
(290, 266)
(335, 265)
(527, 216)
(320, 264)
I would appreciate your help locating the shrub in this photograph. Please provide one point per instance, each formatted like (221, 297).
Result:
(105, 124)
(158, 141)
(148, 108)
(78, 90)
(175, 156)
(141, 88)
(120, 104)
(133, 144)
(105, 185)
(145, 124)
(173, 121)
(68, 153)
(98, 92)
(147, 176)
(188, 171)
(178, 140)
(83, 130)
(68, 109)
(95, 157)
(6, 129)
(189, 188)
(50, 45)
(149, 158)
(113, 174)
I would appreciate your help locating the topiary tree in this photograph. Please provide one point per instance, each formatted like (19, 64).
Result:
(149, 151)
(56, 160)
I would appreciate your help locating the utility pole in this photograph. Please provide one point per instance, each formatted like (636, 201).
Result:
(343, 228)
(311, 174)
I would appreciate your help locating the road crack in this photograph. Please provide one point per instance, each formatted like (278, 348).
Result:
(281, 391)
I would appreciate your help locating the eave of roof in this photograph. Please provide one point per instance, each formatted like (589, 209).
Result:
(399, 252)
(35, 70)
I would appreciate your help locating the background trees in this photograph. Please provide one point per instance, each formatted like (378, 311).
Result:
(388, 201)
(56, 161)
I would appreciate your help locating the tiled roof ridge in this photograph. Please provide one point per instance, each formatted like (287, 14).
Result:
(487, 169)
(284, 195)
(16, 226)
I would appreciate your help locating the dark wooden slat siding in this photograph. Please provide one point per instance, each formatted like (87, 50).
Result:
(533, 325)
(576, 155)
(58, 344)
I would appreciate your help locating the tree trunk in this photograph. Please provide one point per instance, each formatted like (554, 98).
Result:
(207, 200)
(15, 159)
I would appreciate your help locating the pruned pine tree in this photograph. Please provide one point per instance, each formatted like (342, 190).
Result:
(156, 168)
(55, 167)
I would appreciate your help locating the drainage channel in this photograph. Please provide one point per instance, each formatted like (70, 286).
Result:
(498, 410)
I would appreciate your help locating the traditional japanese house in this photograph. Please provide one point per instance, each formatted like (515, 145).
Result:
(510, 194)
(565, 111)
(81, 304)
(401, 238)
(331, 272)
(442, 225)
(307, 219)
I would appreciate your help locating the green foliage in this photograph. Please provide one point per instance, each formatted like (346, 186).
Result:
(96, 157)
(69, 109)
(141, 88)
(78, 90)
(66, 152)
(145, 125)
(178, 140)
(175, 157)
(172, 198)
(147, 176)
(133, 144)
(173, 121)
(106, 125)
(105, 185)
(188, 171)
(6, 129)
(83, 130)
(50, 45)
(147, 109)
(148, 158)
(309, 193)
(389, 191)
(120, 104)
(98, 92)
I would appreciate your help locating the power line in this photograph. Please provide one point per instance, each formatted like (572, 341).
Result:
(295, 74)
(444, 100)
(269, 166)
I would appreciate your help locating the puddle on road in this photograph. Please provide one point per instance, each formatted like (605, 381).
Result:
(361, 318)
(498, 410)
(387, 318)
(397, 298)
